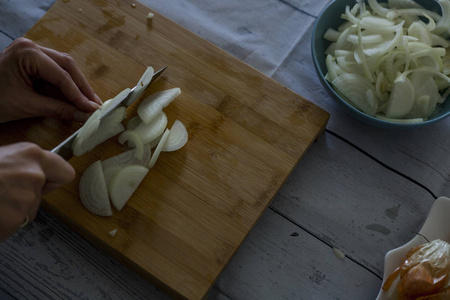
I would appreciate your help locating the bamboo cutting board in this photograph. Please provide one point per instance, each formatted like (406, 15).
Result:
(196, 206)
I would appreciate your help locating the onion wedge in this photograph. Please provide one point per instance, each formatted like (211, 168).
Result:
(158, 149)
(86, 140)
(114, 164)
(148, 132)
(154, 104)
(401, 100)
(128, 158)
(134, 140)
(125, 183)
(95, 132)
(354, 87)
(93, 190)
(117, 99)
(141, 86)
(177, 138)
(80, 144)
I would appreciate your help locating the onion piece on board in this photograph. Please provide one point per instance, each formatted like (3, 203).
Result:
(93, 190)
(177, 138)
(141, 86)
(125, 183)
(152, 130)
(116, 163)
(134, 140)
(158, 149)
(154, 104)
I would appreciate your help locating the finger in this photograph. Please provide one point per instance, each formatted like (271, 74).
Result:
(67, 63)
(44, 67)
(57, 171)
(50, 187)
(40, 105)
(34, 207)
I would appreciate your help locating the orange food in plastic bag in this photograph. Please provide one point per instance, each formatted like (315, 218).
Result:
(424, 274)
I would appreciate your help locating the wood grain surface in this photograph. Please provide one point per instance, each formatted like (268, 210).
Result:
(197, 205)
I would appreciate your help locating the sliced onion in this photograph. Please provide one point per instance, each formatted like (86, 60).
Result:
(354, 87)
(125, 183)
(113, 232)
(400, 121)
(114, 101)
(414, 12)
(109, 172)
(331, 35)
(443, 25)
(110, 126)
(177, 138)
(149, 132)
(413, 41)
(133, 123)
(80, 144)
(403, 4)
(95, 132)
(136, 141)
(141, 86)
(417, 29)
(376, 7)
(93, 190)
(128, 158)
(154, 104)
(116, 163)
(158, 149)
(401, 100)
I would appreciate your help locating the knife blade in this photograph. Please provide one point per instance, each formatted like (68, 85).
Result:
(65, 148)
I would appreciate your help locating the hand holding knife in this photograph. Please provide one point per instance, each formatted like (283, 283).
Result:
(65, 148)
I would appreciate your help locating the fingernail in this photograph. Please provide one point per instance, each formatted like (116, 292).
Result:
(80, 116)
(97, 99)
(95, 105)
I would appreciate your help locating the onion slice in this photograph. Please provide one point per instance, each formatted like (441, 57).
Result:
(95, 132)
(125, 183)
(354, 87)
(134, 140)
(401, 100)
(148, 132)
(116, 163)
(154, 104)
(93, 190)
(80, 144)
(141, 86)
(177, 138)
(158, 149)
(114, 101)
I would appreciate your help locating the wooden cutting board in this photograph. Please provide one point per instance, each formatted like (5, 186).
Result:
(196, 206)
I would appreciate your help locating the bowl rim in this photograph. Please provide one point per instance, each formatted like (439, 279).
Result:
(351, 109)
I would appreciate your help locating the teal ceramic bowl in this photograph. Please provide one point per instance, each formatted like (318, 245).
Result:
(330, 17)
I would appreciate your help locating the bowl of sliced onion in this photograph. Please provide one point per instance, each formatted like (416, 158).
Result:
(386, 62)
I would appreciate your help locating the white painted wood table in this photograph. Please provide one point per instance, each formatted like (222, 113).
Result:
(361, 189)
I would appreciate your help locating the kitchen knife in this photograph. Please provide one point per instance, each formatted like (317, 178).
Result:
(65, 148)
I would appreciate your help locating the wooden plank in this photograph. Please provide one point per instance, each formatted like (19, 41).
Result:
(47, 260)
(197, 205)
(347, 200)
(278, 260)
